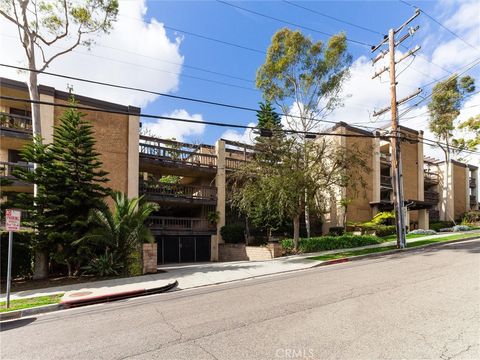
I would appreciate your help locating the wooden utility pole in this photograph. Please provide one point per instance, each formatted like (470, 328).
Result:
(397, 177)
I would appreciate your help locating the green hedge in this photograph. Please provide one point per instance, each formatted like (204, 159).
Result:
(234, 233)
(324, 243)
(437, 225)
(22, 254)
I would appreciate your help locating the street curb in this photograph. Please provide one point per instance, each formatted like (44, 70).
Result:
(390, 252)
(17, 314)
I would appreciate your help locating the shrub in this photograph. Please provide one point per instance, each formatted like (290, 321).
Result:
(471, 217)
(233, 234)
(324, 243)
(422, 232)
(384, 218)
(103, 265)
(460, 228)
(336, 231)
(385, 230)
(437, 225)
(22, 254)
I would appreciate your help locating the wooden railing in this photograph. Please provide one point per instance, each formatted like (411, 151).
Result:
(179, 224)
(385, 180)
(431, 197)
(233, 164)
(6, 168)
(178, 156)
(16, 122)
(431, 177)
(195, 192)
(473, 200)
(385, 157)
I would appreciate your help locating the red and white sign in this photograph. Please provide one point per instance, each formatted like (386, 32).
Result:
(12, 220)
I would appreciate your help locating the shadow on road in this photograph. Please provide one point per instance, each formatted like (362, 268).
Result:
(10, 325)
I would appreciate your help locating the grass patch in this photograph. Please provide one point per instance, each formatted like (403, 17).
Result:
(346, 254)
(19, 304)
(409, 236)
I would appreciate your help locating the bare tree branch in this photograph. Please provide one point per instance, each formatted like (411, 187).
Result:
(46, 63)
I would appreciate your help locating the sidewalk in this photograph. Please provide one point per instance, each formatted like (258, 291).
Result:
(199, 274)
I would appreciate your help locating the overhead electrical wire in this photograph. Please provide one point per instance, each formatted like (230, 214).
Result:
(289, 23)
(207, 102)
(191, 121)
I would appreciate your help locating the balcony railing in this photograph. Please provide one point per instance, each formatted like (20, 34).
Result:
(177, 156)
(6, 168)
(386, 181)
(430, 178)
(473, 200)
(165, 223)
(16, 122)
(180, 191)
(233, 164)
(473, 182)
(385, 157)
(431, 197)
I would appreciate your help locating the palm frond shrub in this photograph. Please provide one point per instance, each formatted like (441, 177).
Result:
(122, 231)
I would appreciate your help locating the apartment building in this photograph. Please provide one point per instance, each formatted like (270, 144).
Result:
(189, 181)
(427, 194)
(116, 134)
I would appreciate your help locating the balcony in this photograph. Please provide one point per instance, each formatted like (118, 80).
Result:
(473, 183)
(6, 171)
(473, 200)
(178, 192)
(385, 158)
(430, 178)
(386, 181)
(179, 158)
(15, 125)
(163, 225)
(431, 197)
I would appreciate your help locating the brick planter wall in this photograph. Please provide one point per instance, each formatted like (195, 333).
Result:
(240, 252)
(149, 258)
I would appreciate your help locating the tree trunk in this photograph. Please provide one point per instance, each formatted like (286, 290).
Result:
(447, 183)
(296, 232)
(269, 234)
(307, 214)
(41, 265)
(247, 231)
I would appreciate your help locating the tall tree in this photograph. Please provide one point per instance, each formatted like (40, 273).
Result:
(43, 24)
(472, 127)
(79, 186)
(305, 78)
(70, 184)
(444, 108)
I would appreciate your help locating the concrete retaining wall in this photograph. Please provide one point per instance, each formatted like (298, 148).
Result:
(149, 257)
(240, 252)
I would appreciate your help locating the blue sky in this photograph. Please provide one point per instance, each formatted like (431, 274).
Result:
(226, 23)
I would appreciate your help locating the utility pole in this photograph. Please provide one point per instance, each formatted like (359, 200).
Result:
(398, 200)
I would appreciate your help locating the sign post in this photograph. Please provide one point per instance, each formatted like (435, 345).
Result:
(12, 223)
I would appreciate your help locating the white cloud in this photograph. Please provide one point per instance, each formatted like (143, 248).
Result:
(149, 40)
(246, 136)
(167, 129)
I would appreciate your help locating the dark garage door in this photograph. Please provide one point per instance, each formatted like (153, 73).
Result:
(181, 249)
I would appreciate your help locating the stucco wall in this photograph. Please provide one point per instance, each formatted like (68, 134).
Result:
(111, 134)
(460, 190)
(410, 169)
(359, 210)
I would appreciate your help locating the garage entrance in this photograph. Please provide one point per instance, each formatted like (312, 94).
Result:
(183, 248)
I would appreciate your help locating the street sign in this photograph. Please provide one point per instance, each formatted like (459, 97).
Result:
(12, 220)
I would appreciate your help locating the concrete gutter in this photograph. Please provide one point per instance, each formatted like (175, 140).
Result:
(87, 300)
(391, 252)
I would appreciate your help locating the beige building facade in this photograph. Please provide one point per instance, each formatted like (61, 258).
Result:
(190, 181)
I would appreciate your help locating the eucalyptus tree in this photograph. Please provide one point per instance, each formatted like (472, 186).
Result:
(448, 97)
(305, 79)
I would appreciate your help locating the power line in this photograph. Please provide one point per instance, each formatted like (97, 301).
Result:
(440, 24)
(154, 69)
(191, 121)
(332, 17)
(201, 36)
(214, 103)
(288, 22)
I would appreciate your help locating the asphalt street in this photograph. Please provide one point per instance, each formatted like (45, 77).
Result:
(417, 305)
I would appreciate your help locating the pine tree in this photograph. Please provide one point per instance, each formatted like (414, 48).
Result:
(79, 186)
(267, 117)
